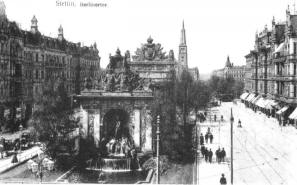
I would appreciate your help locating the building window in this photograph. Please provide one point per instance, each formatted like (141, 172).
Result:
(294, 69)
(295, 48)
(36, 57)
(295, 88)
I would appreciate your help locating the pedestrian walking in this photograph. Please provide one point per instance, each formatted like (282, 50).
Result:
(215, 118)
(239, 123)
(222, 118)
(210, 153)
(218, 155)
(223, 180)
(223, 155)
(2, 148)
(206, 138)
(206, 154)
(203, 150)
(14, 157)
(210, 137)
(201, 139)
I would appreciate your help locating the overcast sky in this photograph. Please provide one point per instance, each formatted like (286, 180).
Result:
(214, 28)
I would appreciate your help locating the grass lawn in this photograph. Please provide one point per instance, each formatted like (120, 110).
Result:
(21, 174)
(178, 174)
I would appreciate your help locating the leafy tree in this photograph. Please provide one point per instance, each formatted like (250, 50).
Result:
(226, 88)
(53, 121)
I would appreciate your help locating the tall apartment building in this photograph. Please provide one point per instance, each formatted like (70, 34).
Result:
(272, 66)
(28, 59)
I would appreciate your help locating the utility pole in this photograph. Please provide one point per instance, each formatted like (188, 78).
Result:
(231, 121)
(158, 148)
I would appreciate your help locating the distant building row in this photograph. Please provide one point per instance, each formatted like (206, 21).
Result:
(236, 72)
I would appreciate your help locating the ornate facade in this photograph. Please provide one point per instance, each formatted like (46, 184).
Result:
(152, 63)
(28, 59)
(120, 92)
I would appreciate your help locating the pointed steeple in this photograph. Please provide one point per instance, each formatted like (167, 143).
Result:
(183, 53)
(2, 9)
(60, 33)
(228, 63)
(183, 36)
(34, 26)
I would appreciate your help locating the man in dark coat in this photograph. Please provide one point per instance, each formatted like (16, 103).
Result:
(215, 118)
(223, 154)
(203, 150)
(210, 137)
(206, 138)
(223, 180)
(201, 139)
(206, 154)
(218, 155)
(2, 147)
(210, 155)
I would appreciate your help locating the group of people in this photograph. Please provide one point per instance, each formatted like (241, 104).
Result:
(208, 135)
(220, 155)
(207, 154)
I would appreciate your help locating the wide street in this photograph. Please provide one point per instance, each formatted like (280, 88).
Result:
(264, 152)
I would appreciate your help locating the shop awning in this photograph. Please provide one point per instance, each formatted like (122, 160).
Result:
(244, 95)
(280, 48)
(267, 103)
(275, 104)
(255, 99)
(293, 115)
(250, 97)
(260, 102)
(282, 110)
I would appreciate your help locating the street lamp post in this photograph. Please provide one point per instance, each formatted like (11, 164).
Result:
(197, 156)
(158, 148)
(231, 121)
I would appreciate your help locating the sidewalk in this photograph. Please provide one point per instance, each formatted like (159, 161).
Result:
(5, 164)
(210, 173)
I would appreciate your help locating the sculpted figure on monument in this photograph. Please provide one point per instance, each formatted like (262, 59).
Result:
(124, 82)
(127, 56)
(109, 81)
(171, 55)
(149, 51)
(115, 61)
(88, 83)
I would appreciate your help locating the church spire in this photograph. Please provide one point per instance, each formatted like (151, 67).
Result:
(183, 35)
(228, 63)
(183, 53)
(34, 26)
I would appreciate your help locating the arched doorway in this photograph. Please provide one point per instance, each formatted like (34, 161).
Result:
(116, 125)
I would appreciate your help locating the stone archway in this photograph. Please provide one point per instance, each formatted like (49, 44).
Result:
(116, 124)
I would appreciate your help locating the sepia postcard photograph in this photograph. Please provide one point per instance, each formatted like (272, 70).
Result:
(148, 92)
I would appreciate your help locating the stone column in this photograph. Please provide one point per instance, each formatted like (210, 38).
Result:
(275, 69)
(147, 145)
(291, 90)
(96, 134)
(84, 123)
(136, 125)
(275, 87)
(291, 66)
